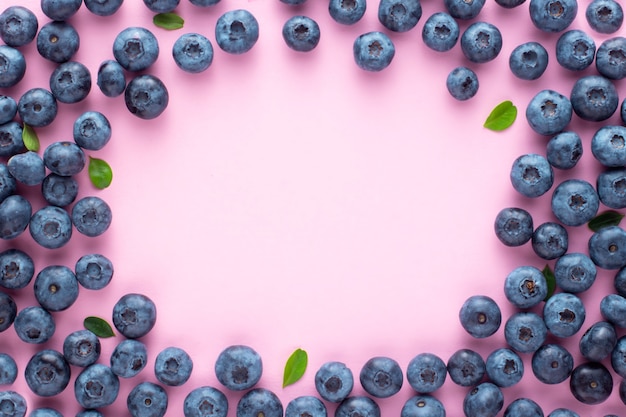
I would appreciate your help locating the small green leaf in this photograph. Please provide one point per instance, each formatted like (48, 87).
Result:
(605, 219)
(169, 21)
(98, 326)
(550, 280)
(30, 138)
(100, 173)
(502, 116)
(295, 367)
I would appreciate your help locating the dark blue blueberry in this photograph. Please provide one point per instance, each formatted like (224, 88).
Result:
(193, 52)
(45, 412)
(18, 26)
(552, 364)
(8, 369)
(92, 130)
(481, 42)
(564, 314)
(462, 83)
(34, 324)
(161, 6)
(549, 112)
(173, 366)
(528, 61)
(64, 158)
(293, 2)
(81, 348)
(423, 406)
(373, 51)
(305, 405)
(59, 190)
(575, 50)
(531, 175)
(111, 78)
(604, 16)
(466, 367)
(58, 41)
(16, 269)
(440, 32)
(462, 9)
(480, 316)
(381, 377)
(613, 309)
(504, 367)
(259, 402)
(591, 383)
(94, 271)
(12, 66)
(11, 141)
(47, 373)
(204, 3)
(8, 311)
(563, 412)
(513, 226)
(136, 48)
(575, 202)
(611, 187)
(510, 4)
(147, 399)
(358, 405)
(622, 391)
(608, 146)
(301, 33)
(96, 386)
(91, 216)
(8, 185)
(60, 9)
(607, 247)
(51, 227)
(525, 287)
(347, 12)
(334, 381)
(525, 331)
(8, 109)
(399, 15)
(70, 82)
(37, 107)
(484, 400)
(564, 150)
(550, 240)
(134, 315)
(207, 401)
(103, 7)
(611, 58)
(426, 373)
(15, 212)
(129, 357)
(523, 407)
(553, 15)
(598, 341)
(619, 282)
(236, 31)
(594, 98)
(27, 168)
(574, 272)
(13, 404)
(146, 96)
(56, 287)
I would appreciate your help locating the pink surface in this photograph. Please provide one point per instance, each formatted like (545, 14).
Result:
(288, 200)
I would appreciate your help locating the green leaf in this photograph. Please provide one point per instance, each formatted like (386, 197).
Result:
(98, 326)
(100, 173)
(30, 138)
(502, 116)
(295, 367)
(169, 21)
(550, 280)
(605, 219)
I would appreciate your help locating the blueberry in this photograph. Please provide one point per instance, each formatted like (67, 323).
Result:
(611, 187)
(18, 26)
(111, 78)
(611, 58)
(37, 107)
(373, 51)
(563, 412)
(531, 175)
(381, 377)
(549, 112)
(510, 4)
(56, 287)
(504, 367)
(423, 406)
(51, 227)
(575, 50)
(608, 146)
(480, 316)
(47, 373)
(358, 405)
(134, 315)
(12, 403)
(293, 2)
(564, 314)
(591, 383)
(399, 15)
(11, 139)
(613, 309)
(12, 66)
(564, 150)
(513, 226)
(27, 168)
(94, 271)
(64, 158)
(259, 402)
(301, 33)
(604, 16)
(607, 247)
(481, 42)
(193, 52)
(550, 240)
(34, 324)
(146, 96)
(334, 381)
(129, 357)
(91, 216)
(528, 61)
(135, 48)
(96, 386)
(103, 7)
(525, 331)
(440, 32)
(161, 6)
(619, 282)
(462, 83)
(622, 391)
(575, 202)
(523, 407)
(60, 9)
(347, 12)
(485, 400)
(8, 369)
(305, 405)
(15, 212)
(8, 311)
(8, 109)
(618, 357)
(81, 348)
(466, 367)
(58, 41)
(553, 15)
(147, 399)
(525, 287)
(426, 373)
(461, 9)
(574, 272)
(552, 363)
(59, 190)
(204, 3)
(173, 366)
(206, 401)
(598, 341)
(594, 98)
(236, 31)
(70, 82)
(17, 269)
(8, 185)
(45, 412)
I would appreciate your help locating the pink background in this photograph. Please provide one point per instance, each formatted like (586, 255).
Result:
(288, 200)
